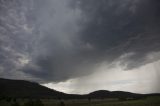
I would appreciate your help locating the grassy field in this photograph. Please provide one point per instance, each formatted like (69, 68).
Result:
(150, 101)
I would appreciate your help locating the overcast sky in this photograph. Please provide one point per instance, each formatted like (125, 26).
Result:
(78, 46)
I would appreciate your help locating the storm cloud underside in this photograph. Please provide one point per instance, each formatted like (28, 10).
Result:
(58, 40)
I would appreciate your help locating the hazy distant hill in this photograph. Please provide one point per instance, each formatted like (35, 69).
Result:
(118, 94)
(21, 88)
(114, 94)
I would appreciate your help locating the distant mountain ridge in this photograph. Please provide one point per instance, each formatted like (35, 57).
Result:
(26, 89)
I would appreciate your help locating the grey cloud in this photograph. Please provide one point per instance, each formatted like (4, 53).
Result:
(119, 27)
(55, 40)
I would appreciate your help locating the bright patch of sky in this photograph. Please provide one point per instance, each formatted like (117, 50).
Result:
(140, 80)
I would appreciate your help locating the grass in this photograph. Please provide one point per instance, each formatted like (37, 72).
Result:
(150, 101)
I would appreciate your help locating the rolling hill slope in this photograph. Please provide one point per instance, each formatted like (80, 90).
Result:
(21, 88)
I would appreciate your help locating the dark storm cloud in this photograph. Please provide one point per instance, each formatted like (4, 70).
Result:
(55, 40)
(118, 27)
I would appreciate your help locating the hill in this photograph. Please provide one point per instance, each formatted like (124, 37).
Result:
(114, 94)
(21, 88)
(27, 89)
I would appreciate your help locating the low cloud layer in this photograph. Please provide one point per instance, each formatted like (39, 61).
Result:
(57, 40)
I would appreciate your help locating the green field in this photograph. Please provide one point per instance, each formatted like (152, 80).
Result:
(150, 101)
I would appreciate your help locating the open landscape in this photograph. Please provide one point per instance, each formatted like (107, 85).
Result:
(79, 52)
(25, 93)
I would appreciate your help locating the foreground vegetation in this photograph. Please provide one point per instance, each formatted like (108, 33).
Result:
(149, 101)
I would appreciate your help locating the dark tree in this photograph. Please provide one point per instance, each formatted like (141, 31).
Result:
(38, 102)
(122, 99)
(62, 103)
(14, 99)
(8, 99)
(15, 104)
(29, 103)
(89, 99)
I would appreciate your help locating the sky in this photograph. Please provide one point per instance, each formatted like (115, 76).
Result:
(79, 46)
